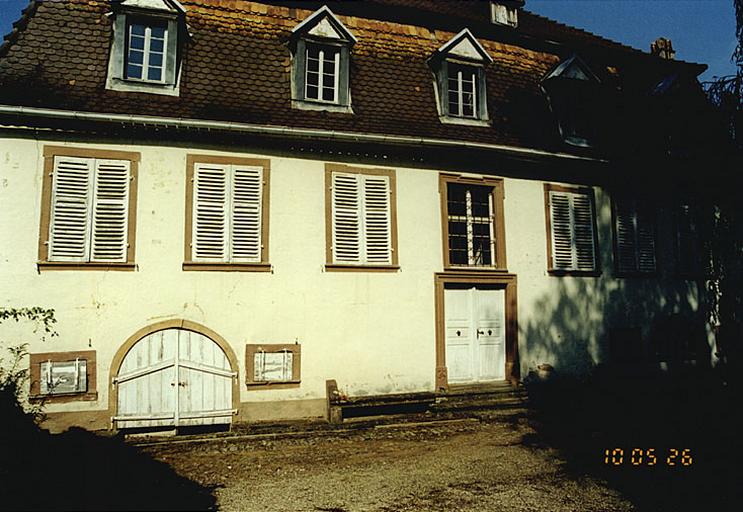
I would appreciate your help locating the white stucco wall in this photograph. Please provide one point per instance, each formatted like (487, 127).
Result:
(372, 332)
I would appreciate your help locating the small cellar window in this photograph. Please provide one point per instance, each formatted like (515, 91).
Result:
(64, 377)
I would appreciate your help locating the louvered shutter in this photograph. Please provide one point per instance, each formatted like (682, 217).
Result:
(110, 210)
(346, 218)
(645, 241)
(582, 210)
(246, 213)
(562, 237)
(635, 237)
(69, 227)
(571, 219)
(377, 233)
(625, 219)
(210, 212)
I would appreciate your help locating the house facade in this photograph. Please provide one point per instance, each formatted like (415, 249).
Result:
(228, 203)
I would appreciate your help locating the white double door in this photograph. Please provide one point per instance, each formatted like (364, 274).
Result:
(475, 334)
(174, 377)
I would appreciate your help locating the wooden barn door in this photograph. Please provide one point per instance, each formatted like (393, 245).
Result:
(174, 377)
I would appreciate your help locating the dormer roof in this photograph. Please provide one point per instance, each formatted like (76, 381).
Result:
(573, 69)
(169, 6)
(465, 46)
(323, 24)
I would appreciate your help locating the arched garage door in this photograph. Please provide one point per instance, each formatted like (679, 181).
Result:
(174, 377)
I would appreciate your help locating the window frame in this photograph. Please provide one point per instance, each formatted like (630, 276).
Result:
(497, 195)
(480, 105)
(188, 260)
(35, 362)
(638, 204)
(148, 24)
(49, 153)
(584, 190)
(252, 349)
(330, 264)
(117, 78)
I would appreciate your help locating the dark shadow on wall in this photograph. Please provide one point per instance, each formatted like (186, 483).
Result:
(79, 470)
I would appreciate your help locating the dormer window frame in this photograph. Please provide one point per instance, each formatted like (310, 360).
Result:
(505, 12)
(461, 52)
(324, 32)
(567, 121)
(130, 13)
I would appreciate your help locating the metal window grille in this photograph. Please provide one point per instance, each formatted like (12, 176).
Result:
(471, 225)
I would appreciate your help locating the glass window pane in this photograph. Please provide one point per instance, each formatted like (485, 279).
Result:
(134, 71)
(156, 59)
(458, 243)
(136, 57)
(154, 73)
(137, 29)
(456, 201)
(480, 203)
(313, 78)
(136, 42)
(156, 45)
(328, 93)
(481, 244)
(312, 92)
(158, 32)
(313, 65)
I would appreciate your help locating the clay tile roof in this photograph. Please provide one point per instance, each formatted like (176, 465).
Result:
(236, 67)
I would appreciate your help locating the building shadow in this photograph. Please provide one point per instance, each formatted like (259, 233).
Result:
(79, 470)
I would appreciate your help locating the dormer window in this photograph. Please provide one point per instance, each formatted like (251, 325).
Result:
(505, 12)
(147, 36)
(459, 68)
(572, 90)
(321, 47)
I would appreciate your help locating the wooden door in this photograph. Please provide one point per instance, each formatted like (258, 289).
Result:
(174, 377)
(475, 334)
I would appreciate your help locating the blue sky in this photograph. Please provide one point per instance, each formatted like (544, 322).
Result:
(701, 30)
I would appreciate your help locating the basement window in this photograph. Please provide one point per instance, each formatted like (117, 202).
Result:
(60, 377)
(273, 365)
(63, 376)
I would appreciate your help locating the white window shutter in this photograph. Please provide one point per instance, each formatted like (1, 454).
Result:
(377, 213)
(69, 227)
(210, 233)
(582, 210)
(346, 218)
(561, 231)
(110, 210)
(571, 217)
(247, 188)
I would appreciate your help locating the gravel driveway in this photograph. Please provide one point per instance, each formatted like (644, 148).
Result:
(463, 465)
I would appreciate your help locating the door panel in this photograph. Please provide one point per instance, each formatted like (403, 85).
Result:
(475, 334)
(174, 377)
(459, 346)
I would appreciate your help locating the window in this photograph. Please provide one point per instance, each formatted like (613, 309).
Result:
(462, 90)
(573, 91)
(321, 82)
(273, 365)
(145, 49)
(459, 68)
(634, 237)
(692, 259)
(88, 219)
(571, 230)
(505, 12)
(473, 222)
(321, 49)
(361, 218)
(63, 376)
(227, 214)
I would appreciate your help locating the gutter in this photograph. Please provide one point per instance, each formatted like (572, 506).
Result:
(231, 126)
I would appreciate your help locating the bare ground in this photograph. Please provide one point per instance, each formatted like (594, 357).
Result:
(467, 465)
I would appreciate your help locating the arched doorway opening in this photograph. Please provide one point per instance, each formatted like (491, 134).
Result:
(174, 374)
